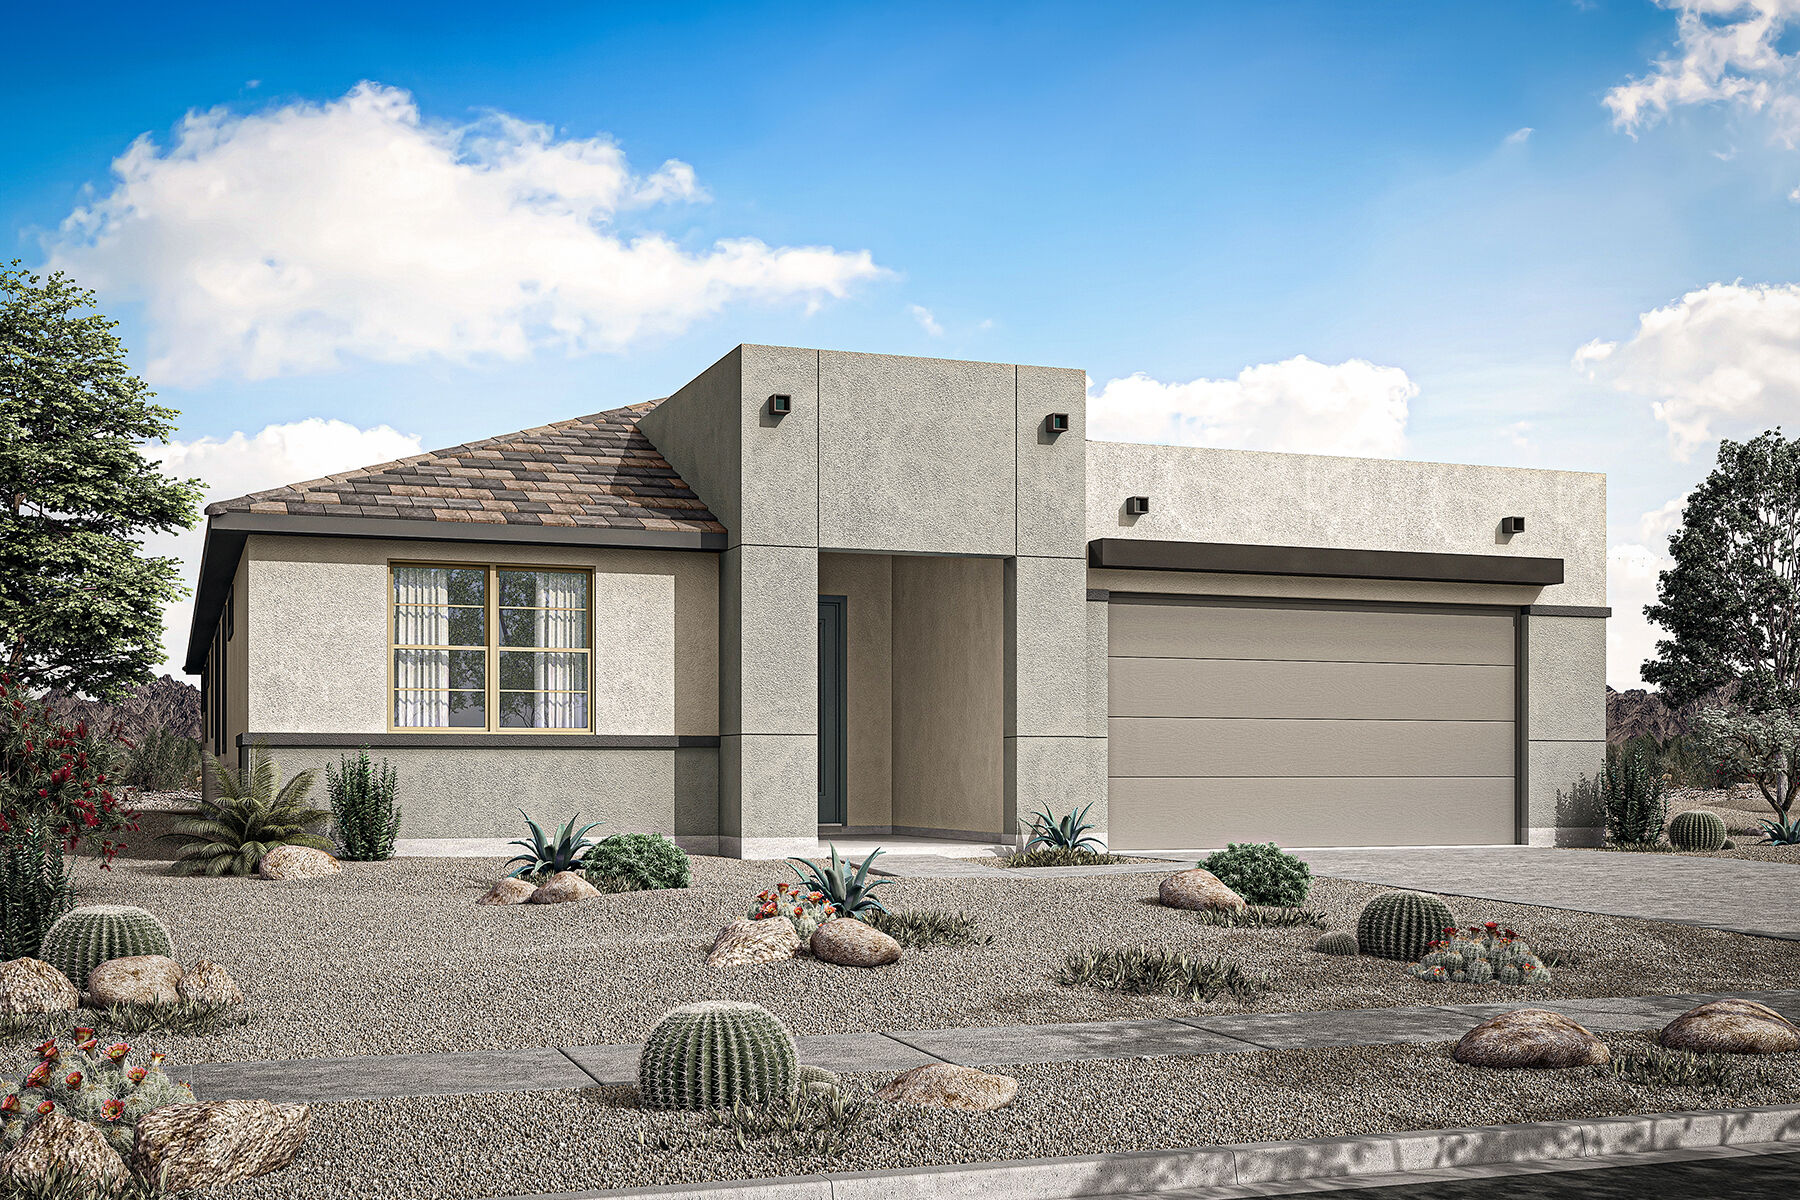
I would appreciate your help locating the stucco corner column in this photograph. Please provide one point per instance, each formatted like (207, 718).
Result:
(1051, 759)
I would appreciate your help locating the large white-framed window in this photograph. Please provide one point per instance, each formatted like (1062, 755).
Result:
(497, 648)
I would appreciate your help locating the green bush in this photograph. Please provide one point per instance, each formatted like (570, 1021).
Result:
(1045, 856)
(160, 761)
(1697, 829)
(1261, 874)
(1632, 805)
(35, 888)
(363, 806)
(650, 860)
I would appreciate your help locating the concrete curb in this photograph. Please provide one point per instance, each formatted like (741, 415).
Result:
(1377, 1154)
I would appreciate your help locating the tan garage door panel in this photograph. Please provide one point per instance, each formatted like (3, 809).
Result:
(1331, 635)
(1207, 746)
(1151, 813)
(1212, 687)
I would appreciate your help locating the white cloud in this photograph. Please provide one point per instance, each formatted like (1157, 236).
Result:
(1724, 360)
(1726, 52)
(1518, 137)
(1354, 407)
(239, 464)
(296, 236)
(926, 321)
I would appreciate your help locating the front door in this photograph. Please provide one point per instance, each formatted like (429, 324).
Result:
(831, 709)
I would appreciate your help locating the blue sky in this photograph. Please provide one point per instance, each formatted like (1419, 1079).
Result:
(395, 226)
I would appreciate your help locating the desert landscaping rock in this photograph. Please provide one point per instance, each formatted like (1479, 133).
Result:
(59, 1141)
(226, 1141)
(745, 943)
(564, 887)
(1732, 1027)
(510, 890)
(1531, 1037)
(851, 943)
(29, 985)
(943, 1085)
(207, 982)
(297, 862)
(139, 979)
(1198, 889)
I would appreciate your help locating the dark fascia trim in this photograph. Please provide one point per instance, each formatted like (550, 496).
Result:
(1568, 610)
(1132, 554)
(1099, 594)
(479, 741)
(225, 534)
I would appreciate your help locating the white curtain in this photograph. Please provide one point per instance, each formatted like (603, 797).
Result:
(561, 621)
(421, 618)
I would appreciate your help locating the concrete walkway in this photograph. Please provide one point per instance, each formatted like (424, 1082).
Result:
(311, 1080)
(1734, 894)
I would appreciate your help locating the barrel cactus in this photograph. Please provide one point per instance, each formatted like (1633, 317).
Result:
(86, 937)
(712, 1054)
(1697, 830)
(1402, 925)
(1339, 941)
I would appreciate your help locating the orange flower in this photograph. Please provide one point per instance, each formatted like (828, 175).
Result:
(112, 1110)
(48, 1051)
(117, 1051)
(45, 1108)
(72, 1081)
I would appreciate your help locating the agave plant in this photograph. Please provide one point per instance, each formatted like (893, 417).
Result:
(246, 818)
(1780, 833)
(547, 855)
(1073, 832)
(850, 892)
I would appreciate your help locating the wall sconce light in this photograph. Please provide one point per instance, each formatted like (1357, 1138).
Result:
(1137, 506)
(780, 406)
(1056, 423)
(1512, 525)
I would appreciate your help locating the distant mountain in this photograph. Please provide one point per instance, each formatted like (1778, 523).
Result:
(163, 703)
(1635, 712)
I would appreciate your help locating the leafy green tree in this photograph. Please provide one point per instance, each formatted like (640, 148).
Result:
(80, 602)
(1731, 602)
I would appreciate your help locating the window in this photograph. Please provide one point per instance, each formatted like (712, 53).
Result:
(490, 648)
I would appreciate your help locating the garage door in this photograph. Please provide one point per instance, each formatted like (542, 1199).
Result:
(1309, 726)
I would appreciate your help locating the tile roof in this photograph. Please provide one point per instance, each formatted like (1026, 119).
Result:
(596, 471)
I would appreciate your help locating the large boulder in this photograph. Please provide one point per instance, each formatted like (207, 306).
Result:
(74, 1148)
(1198, 889)
(1531, 1037)
(945, 1085)
(297, 862)
(218, 1142)
(139, 979)
(563, 887)
(207, 982)
(745, 943)
(1731, 1027)
(511, 890)
(852, 943)
(28, 985)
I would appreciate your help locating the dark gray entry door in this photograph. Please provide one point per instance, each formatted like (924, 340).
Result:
(832, 702)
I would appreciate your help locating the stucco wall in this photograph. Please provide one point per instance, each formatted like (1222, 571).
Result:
(1565, 660)
(866, 581)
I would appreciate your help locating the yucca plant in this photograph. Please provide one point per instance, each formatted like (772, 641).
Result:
(1072, 832)
(249, 816)
(544, 856)
(849, 891)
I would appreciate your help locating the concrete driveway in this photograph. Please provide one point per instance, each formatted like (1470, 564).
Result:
(1733, 894)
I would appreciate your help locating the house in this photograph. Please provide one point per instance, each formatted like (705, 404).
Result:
(821, 592)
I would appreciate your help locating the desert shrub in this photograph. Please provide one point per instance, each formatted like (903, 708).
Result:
(1071, 831)
(1486, 954)
(649, 859)
(848, 891)
(1402, 925)
(1045, 856)
(248, 817)
(186, 1017)
(544, 855)
(63, 1183)
(918, 928)
(1152, 970)
(1680, 762)
(1633, 807)
(1697, 829)
(35, 889)
(1340, 942)
(803, 1124)
(60, 777)
(804, 909)
(101, 1085)
(1659, 1066)
(363, 806)
(161, 761)
(86, 937)
(1261, 874)
(1260, 917)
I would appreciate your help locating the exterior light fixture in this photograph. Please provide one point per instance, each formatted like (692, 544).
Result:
(1137, 506)
(1512, 525)
(780, 406)
(1056, 423)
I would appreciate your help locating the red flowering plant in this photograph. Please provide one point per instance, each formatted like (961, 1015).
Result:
(804, 908)
(107, 1091)
(57, 777)
(1484, 954)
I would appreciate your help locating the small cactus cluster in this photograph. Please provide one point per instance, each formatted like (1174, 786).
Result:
(712, 1054)
(804, 908)
(1402, 925)
(83, 938)
(1340, 942)
(1485, 954)
(90, 1082)
(1697, 829)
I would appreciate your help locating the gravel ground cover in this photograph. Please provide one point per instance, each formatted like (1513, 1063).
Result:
(396, 957)
(495, 1145)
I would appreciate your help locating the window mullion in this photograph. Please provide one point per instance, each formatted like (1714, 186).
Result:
(490, 673)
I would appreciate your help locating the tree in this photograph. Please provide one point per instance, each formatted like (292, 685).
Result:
(1763, 748)
(80, 603)
(1731, 602)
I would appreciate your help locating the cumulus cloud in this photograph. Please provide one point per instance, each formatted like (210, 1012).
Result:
(291, 238)
(1722, 361)
(926, 320)
(1353, 407)
(1726, 52)
(243, 463)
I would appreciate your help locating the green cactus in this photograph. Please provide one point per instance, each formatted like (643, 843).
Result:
(1482, 955)
(817, 1080)
(86, 937)
(1697, 830)
(1340, 941)
(712, 1054)
(1402, 925)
